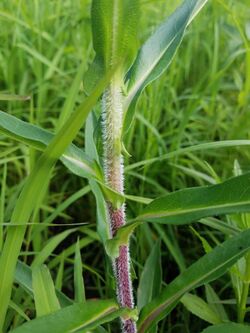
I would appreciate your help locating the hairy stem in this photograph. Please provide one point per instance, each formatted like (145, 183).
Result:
(113, 166)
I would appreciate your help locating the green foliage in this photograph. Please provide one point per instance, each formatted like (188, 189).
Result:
(229, 327)
(157, 53)
(114, 26)
(191, 126)
(189, 205)
(74, 318)
(44, 291)
(204, 270)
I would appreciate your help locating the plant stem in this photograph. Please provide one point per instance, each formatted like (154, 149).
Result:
(113, 167)
(245, 290)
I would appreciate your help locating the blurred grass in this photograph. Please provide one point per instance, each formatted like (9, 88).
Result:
(204, 96)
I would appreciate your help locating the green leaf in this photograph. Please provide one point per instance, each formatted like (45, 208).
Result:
(44, 291)
(200, 308)
(75, 318)
(78, 278)
(35, 186)
(192, 204)
(215, 303)
(73, 158)
(50, 246)
(157, 53)
(114, 28)
(204, 270)
(23, 276)
(12, 97)
(189, 205)
(228, 328)
(150, 279)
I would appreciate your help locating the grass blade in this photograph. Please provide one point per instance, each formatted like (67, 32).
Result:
(74, 318)
(206, 269)
(192, 204)
(156, 54)
(229, 327)
(44, 291)
(34, 187)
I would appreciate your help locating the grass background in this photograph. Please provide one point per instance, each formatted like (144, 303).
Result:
(203, 97)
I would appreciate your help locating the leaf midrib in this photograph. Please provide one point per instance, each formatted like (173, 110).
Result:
(185, 211)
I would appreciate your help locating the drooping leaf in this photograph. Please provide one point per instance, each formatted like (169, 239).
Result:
(75, 318)
(73, 158)
(188, 205)
(44, 291)
(157, 53)
(206, 269)
(228, 328)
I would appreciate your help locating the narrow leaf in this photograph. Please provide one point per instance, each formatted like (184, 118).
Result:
(78, 278)
(226, 328)
(206, 269)
(73, 158)
(188, 205)
(75, 318)
(50, 246)
(157, 53)
(44, 291)
(23, 276)
(150, 279)
(35, 185)
(200, 308)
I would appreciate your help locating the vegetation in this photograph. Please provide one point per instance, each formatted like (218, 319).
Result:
(183, 137)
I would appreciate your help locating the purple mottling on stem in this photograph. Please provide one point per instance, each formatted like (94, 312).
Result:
(113, 168)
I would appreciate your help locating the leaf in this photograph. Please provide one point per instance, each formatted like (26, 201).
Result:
(204, 270)
(44, 291)
(12, 97)
(114, 28)
(150, 279)
(78, 278)
(156, 54)
(200, 308)
(50, 246)
(73, 158)
(23, 276)
(228, 328)
(75, 318)
(35, 186)
(189, 205)
(215, 303)
(101, 206)
(192, 204)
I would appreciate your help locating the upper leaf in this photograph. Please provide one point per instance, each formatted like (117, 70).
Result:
(114, 29)
(157, 53)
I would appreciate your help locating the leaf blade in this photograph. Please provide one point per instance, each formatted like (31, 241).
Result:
(206, 269)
